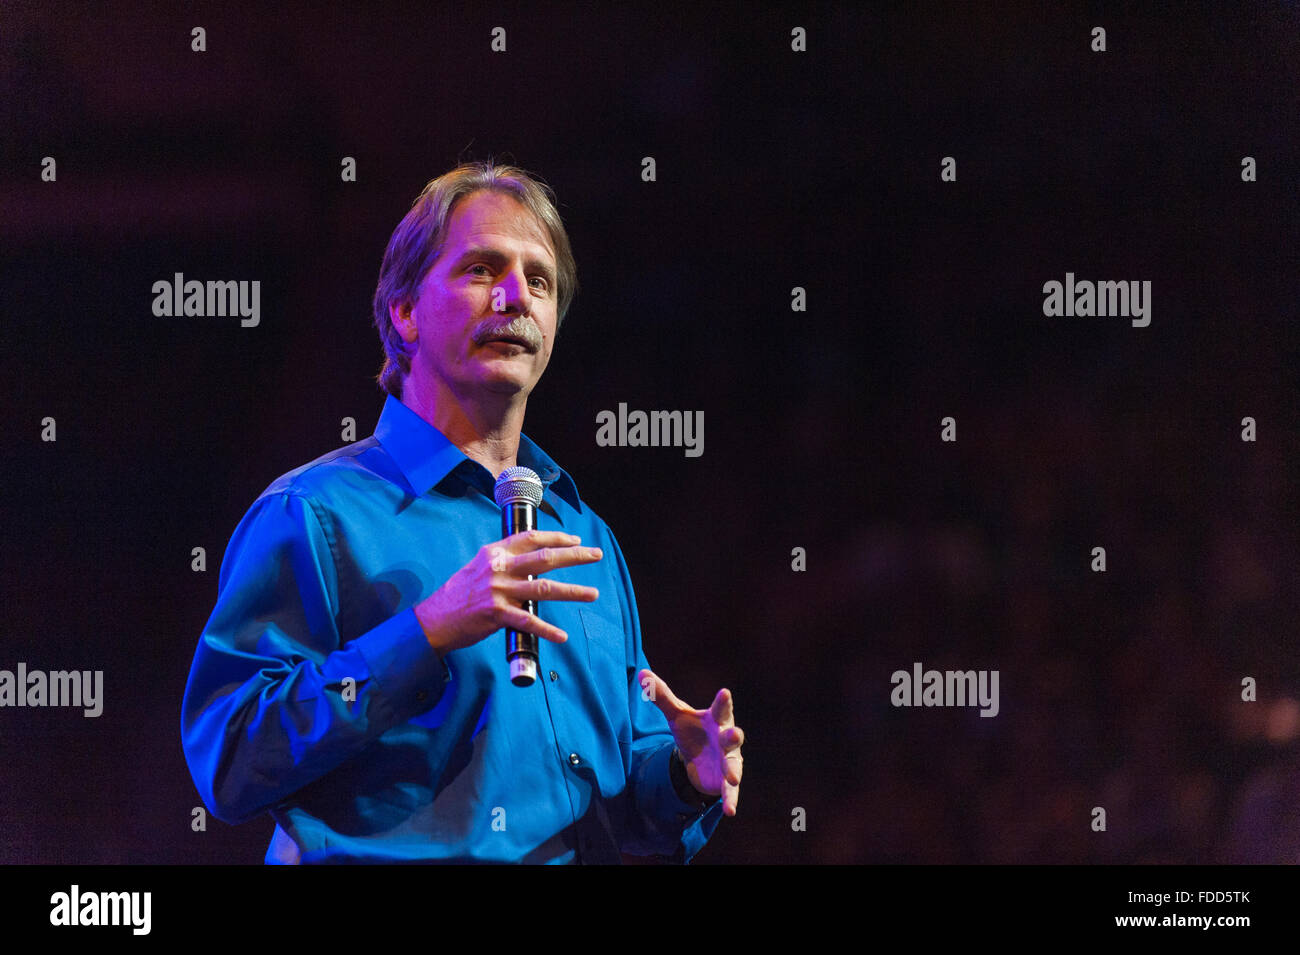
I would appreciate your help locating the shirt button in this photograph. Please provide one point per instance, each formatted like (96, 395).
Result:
(573, 758)
(421, 696)
(554, 676)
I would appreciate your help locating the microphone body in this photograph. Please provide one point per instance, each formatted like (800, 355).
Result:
(518, 492)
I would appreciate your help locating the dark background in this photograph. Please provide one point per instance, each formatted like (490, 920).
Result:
(775, 169)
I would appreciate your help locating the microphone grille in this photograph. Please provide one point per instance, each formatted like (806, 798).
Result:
(518, 485)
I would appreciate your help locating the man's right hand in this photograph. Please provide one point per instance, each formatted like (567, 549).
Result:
(485, 595)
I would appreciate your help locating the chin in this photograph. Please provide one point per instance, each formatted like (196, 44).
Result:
(507, 384)
(509, 378)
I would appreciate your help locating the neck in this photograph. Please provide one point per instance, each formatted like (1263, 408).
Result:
(485, 429)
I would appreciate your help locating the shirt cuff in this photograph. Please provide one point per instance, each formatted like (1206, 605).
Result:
(411, 675)
(666, 797)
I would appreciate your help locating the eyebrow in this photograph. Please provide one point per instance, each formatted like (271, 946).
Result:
(498, 257)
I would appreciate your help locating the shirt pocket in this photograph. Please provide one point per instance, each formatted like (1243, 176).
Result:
(607, 662)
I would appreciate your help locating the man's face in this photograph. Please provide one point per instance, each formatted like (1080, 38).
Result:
(498, 254)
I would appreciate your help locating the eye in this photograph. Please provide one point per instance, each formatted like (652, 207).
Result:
(480, 266)
(541, 278)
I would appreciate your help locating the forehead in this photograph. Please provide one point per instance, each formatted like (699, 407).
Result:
(487, 218)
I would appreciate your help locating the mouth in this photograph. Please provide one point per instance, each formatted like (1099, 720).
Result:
(503, 339)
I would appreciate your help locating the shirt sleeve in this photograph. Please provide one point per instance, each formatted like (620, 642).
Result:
(659, 823)
(275, 699)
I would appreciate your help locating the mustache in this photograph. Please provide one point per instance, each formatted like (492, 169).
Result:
(519, 327)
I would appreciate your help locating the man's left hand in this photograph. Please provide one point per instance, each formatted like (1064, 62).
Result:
(709, 740)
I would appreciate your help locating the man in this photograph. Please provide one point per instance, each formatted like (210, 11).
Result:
(352, 678)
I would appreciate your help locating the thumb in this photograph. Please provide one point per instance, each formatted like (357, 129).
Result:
(654, 689)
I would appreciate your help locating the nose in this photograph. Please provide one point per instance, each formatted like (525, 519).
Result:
(514, 292)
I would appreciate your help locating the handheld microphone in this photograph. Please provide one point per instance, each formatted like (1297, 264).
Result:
(518, 492)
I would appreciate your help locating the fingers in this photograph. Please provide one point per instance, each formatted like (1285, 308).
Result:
(721, 710)
(516, 618)
(733, 768)
(535, 552)
(531, 553)
(708, 739)
(730, 740)
(657, 691)
(531, 540)
(528, 542)
(543, 589)
(551, 558)
(730, 798)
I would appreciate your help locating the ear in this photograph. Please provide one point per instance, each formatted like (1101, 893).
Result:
(403, 320)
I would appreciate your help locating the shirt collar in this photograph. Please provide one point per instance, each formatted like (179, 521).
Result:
(426, 457)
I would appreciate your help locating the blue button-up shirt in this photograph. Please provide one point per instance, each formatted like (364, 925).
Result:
(315, 695)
